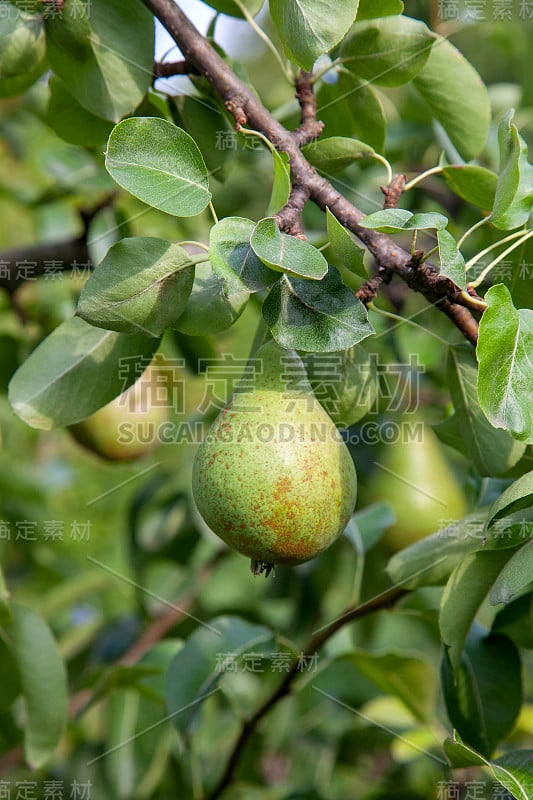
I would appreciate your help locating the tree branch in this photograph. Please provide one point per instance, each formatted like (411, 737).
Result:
(27, 263)
(289, 219)
(309, 128)
(384, 600)
(247, 108)
(166, 69)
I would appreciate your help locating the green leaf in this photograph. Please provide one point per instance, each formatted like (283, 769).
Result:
(44, 689)
(281, 184)
(432, 559)
(373, 521)
(197, 668)
(317, 317)
(456, 96)
(351, 106)
(504, 351)
(343, 251)
(75, 371)
(410, 678)
(335, 153)
(142, 286)
(160, 164)
(10, 684)
(209, 308)
(11, 87)
(466, 589)
(474, 184)
(309, 28)
(388, 51)
(484, 694)
(233, 259)
(517, 496)
(22, 42)
(346, 383)
(285, 253)
(392, 220)
(492, 451)
(452, 263)
(368, 9)
(514, 193)
(515, 576)
(230, 8)
(71, 121)
(103, 53)
(210, 129)
(513, 770)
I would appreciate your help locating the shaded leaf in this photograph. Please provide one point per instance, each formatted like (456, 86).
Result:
(308, 28)
(505, 354)
(481, 704)
(318, 317)
(345, 383)
(515, 576)
(368, 9)
(210, 129)
(517, 496)
(75, 371)
(514, 193)
(281, 184)
(44, 689)
(70, 120)
(513, 770)
(209, 308)
(103, 53)
(352, 106)
(452, 263)
(492, 451)
(392, 220)
(456, 96)
(160, 164)
(335, 153)
(230, 8)
(346, 253)
(196, 669)
(410, 678)
(466, 589)
(285, 253)
(388, 51)
(22, 42)
(141, 286)
(475, 184)
(233, 259)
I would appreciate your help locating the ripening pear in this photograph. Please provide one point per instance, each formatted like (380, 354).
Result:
(414, 476)
(273, 477)
(127, 427)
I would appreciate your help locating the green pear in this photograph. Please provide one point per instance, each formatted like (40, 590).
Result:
(273, 477)
(127, 427)
(414, 476)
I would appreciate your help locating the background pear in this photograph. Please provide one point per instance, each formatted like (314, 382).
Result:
(126, 428)
(273, 478)
(414, 476)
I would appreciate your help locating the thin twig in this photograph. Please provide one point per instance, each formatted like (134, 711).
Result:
(167, 69)
(384, 600)
(309, 128)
